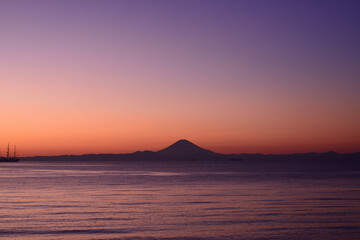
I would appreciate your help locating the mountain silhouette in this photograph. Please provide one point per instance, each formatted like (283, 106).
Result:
(184, 149)
(184, 146)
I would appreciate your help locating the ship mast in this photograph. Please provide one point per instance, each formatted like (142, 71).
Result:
(14, 151)
(8, 151)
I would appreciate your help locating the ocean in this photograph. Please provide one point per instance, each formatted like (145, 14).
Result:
(180, 200)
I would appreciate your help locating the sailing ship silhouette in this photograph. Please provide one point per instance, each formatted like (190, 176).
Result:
(8, 158)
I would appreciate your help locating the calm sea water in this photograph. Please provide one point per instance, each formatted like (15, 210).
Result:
(189, 200)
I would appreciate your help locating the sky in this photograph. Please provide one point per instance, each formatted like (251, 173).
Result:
(238, 76)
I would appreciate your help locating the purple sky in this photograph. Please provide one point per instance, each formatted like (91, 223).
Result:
(235, 76)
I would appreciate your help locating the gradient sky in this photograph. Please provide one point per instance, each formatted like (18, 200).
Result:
(232, 76)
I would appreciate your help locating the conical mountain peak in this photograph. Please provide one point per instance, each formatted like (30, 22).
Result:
(186, 147)
(184, 143)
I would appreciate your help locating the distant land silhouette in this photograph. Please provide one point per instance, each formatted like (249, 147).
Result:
(184, 150)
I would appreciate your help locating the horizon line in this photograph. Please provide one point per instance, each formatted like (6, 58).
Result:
(185, 140)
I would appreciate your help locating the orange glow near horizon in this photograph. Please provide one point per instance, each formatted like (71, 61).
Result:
(74, 119)
(70, 119)
(117, 77)
(56, 133)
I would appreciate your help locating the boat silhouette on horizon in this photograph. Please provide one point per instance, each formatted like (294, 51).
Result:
(8, 158)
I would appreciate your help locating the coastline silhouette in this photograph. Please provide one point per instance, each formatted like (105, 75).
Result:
(184, 150)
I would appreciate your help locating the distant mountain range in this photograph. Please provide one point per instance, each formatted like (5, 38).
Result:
(184, 150)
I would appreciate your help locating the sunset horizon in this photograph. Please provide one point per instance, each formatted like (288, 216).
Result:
(180, 119)
(240, 76)
(224, 150)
